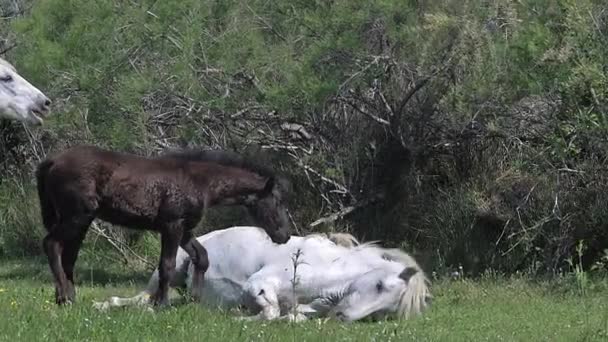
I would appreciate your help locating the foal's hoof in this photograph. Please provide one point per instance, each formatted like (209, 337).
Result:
(63, 301)
(160, 303)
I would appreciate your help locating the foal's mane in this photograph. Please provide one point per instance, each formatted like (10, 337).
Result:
(222, 157)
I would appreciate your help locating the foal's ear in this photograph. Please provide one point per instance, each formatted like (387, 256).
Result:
(408, 273)
(268, 187)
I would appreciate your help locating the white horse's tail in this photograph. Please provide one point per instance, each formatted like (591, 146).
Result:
(416, 297)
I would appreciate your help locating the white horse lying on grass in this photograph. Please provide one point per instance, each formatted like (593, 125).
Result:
(330, 279)
(19, 100)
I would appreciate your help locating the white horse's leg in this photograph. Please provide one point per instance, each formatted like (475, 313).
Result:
(265, 295)
(297, 317)
(143, 298)
(140, 299)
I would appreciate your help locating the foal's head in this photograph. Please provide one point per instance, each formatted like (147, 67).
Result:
(268, 205)
(19, 100)
(269, 209)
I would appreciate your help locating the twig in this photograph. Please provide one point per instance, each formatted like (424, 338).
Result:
(267, 24)
(7, 49)
(374, 61)
(293, 222)
(307, 168)
(369, 115)
(117, 245)
(342, 213)
(417, 86)
(296, 128)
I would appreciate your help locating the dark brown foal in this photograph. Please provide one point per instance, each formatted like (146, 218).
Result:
(167, 194)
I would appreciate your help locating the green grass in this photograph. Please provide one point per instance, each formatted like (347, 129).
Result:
(463, 310)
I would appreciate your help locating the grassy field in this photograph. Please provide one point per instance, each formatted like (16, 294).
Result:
(463, 310)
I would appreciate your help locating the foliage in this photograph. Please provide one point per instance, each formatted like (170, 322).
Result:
(472, 131)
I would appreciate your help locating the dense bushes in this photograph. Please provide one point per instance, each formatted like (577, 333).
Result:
(471, 131)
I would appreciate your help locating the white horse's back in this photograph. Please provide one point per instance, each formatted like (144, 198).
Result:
(234, 255)
(237, 253)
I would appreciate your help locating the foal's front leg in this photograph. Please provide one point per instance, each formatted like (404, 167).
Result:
(200, 261)
(170, 237)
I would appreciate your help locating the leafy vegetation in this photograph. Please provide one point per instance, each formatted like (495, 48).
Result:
(470, 131)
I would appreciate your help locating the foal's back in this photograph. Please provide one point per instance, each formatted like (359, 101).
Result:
(120, 188)
(94, 162)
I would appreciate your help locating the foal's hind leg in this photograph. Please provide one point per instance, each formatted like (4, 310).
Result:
(53, 248)
(71, 248)
(61, 246)
(199, 259)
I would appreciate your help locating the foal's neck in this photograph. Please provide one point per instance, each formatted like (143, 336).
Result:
(227, 185)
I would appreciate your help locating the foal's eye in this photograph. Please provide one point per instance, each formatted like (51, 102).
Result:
(6, 78)
(379, 286)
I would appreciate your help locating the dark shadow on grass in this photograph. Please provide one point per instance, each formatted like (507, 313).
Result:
(104, 277)
(37, 269)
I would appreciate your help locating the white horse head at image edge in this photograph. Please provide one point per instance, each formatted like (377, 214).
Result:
(335, 277)
(19, 100)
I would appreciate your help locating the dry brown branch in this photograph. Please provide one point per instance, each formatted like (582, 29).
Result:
(7, 49)
(347, 210)
(342, 189)
(364, 112)
(120, 246)
(375, 60)
(298, 129)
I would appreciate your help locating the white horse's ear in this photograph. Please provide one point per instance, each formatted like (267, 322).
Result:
(408, 273)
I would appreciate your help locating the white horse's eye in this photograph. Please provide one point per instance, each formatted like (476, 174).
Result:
(379, 286)
(6, 78)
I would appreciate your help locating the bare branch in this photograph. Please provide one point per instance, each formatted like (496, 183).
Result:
(8, 48)
(120, 246)
(346, 211)
(297, 128)
(364, 112)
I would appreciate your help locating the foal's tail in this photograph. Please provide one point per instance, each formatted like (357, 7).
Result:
(416, 297)
(49, 215)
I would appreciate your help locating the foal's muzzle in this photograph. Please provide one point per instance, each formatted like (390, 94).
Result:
(279, 237)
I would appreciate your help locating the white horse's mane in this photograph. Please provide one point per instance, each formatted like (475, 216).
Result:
(413, 298)
(341, 239)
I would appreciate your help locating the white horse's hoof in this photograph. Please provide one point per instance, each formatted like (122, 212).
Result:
(101, 306)
(297, 318)
(247, 318)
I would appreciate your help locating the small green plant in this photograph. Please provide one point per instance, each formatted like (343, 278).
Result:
(580, 275)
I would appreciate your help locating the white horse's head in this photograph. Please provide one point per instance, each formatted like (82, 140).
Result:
(397, 288)
(19, 100)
